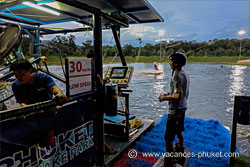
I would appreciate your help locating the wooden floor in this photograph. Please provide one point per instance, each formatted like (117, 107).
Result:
(121, 146)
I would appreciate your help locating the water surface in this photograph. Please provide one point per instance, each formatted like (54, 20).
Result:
(212, 91)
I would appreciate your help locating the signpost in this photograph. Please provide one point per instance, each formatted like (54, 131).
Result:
(78, 76)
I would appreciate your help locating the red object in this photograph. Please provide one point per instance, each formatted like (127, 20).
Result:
(125, 161)
(46, 138)
(51, 137)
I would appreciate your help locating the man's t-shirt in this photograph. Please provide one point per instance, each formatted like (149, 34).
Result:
(37, 92)
(179, 84)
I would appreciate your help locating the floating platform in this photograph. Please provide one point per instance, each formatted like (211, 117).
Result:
(205, 138)
(243, 61)
(152, 73)
(121, 145)
(148, 72)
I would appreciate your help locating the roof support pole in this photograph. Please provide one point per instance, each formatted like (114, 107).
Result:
(234, 129)
(100, 95)
(38, 51)
(116, 34)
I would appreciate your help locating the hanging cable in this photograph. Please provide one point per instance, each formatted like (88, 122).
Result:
(113, 58)
(105, 53)
(201, 47)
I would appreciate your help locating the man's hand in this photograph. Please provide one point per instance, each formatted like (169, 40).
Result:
(58, 95)
(161, 98)
(106, 80)
(166, 94)
(60, 98)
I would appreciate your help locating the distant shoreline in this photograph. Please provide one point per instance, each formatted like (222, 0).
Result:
(54, 60)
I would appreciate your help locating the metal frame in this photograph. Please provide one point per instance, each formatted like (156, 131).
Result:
(98, 16)
(237, 106)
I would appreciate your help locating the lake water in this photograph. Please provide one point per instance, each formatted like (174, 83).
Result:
(212, 91)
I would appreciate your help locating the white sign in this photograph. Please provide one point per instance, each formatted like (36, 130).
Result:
(80, 76)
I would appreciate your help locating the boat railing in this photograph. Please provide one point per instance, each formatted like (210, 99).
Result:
(14, 113)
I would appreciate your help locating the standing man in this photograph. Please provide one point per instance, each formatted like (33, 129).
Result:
(177, 97)
(31, 87)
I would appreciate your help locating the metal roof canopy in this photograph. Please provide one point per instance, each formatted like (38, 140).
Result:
(113, 12)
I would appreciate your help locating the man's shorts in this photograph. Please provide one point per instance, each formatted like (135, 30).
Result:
(174, 126)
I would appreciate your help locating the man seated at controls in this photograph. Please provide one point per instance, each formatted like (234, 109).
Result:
(31, 87)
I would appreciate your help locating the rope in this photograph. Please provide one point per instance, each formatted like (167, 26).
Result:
(14, 15)
(89, 24)
(113, 58)
(200, 47)
(105, 53)
(3, 84)
(30, 15)
(57, 28)
(100, 79)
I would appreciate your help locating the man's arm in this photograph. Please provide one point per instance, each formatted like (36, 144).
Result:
(58, 94)
(171, 97)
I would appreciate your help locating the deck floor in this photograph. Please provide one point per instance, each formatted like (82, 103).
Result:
(122, 145)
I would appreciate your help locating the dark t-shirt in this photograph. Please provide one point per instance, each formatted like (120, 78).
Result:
(37, 92)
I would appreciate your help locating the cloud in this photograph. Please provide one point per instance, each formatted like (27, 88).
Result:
(139, 30)
(185, 20)
(147, 32)
(164, 39)
(203, 20)
(161, 33)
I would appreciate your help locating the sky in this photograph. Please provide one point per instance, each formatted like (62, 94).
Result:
(187, 20)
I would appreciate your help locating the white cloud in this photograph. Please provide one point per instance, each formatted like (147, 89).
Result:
(184, 20)
(161, 33)
(140, 30)
(139, 34)
(164, 39)
(179, 35)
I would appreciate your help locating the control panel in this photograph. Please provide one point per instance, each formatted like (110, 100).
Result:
(120, 75)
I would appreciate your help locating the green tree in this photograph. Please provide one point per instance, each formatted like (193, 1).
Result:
(66, 45)
(128, 50)
(25, 45)
(86, 47)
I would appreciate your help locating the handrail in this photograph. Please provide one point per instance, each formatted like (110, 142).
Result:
(7, 114)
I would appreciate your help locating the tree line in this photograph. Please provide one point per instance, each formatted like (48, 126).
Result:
(215, 47)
